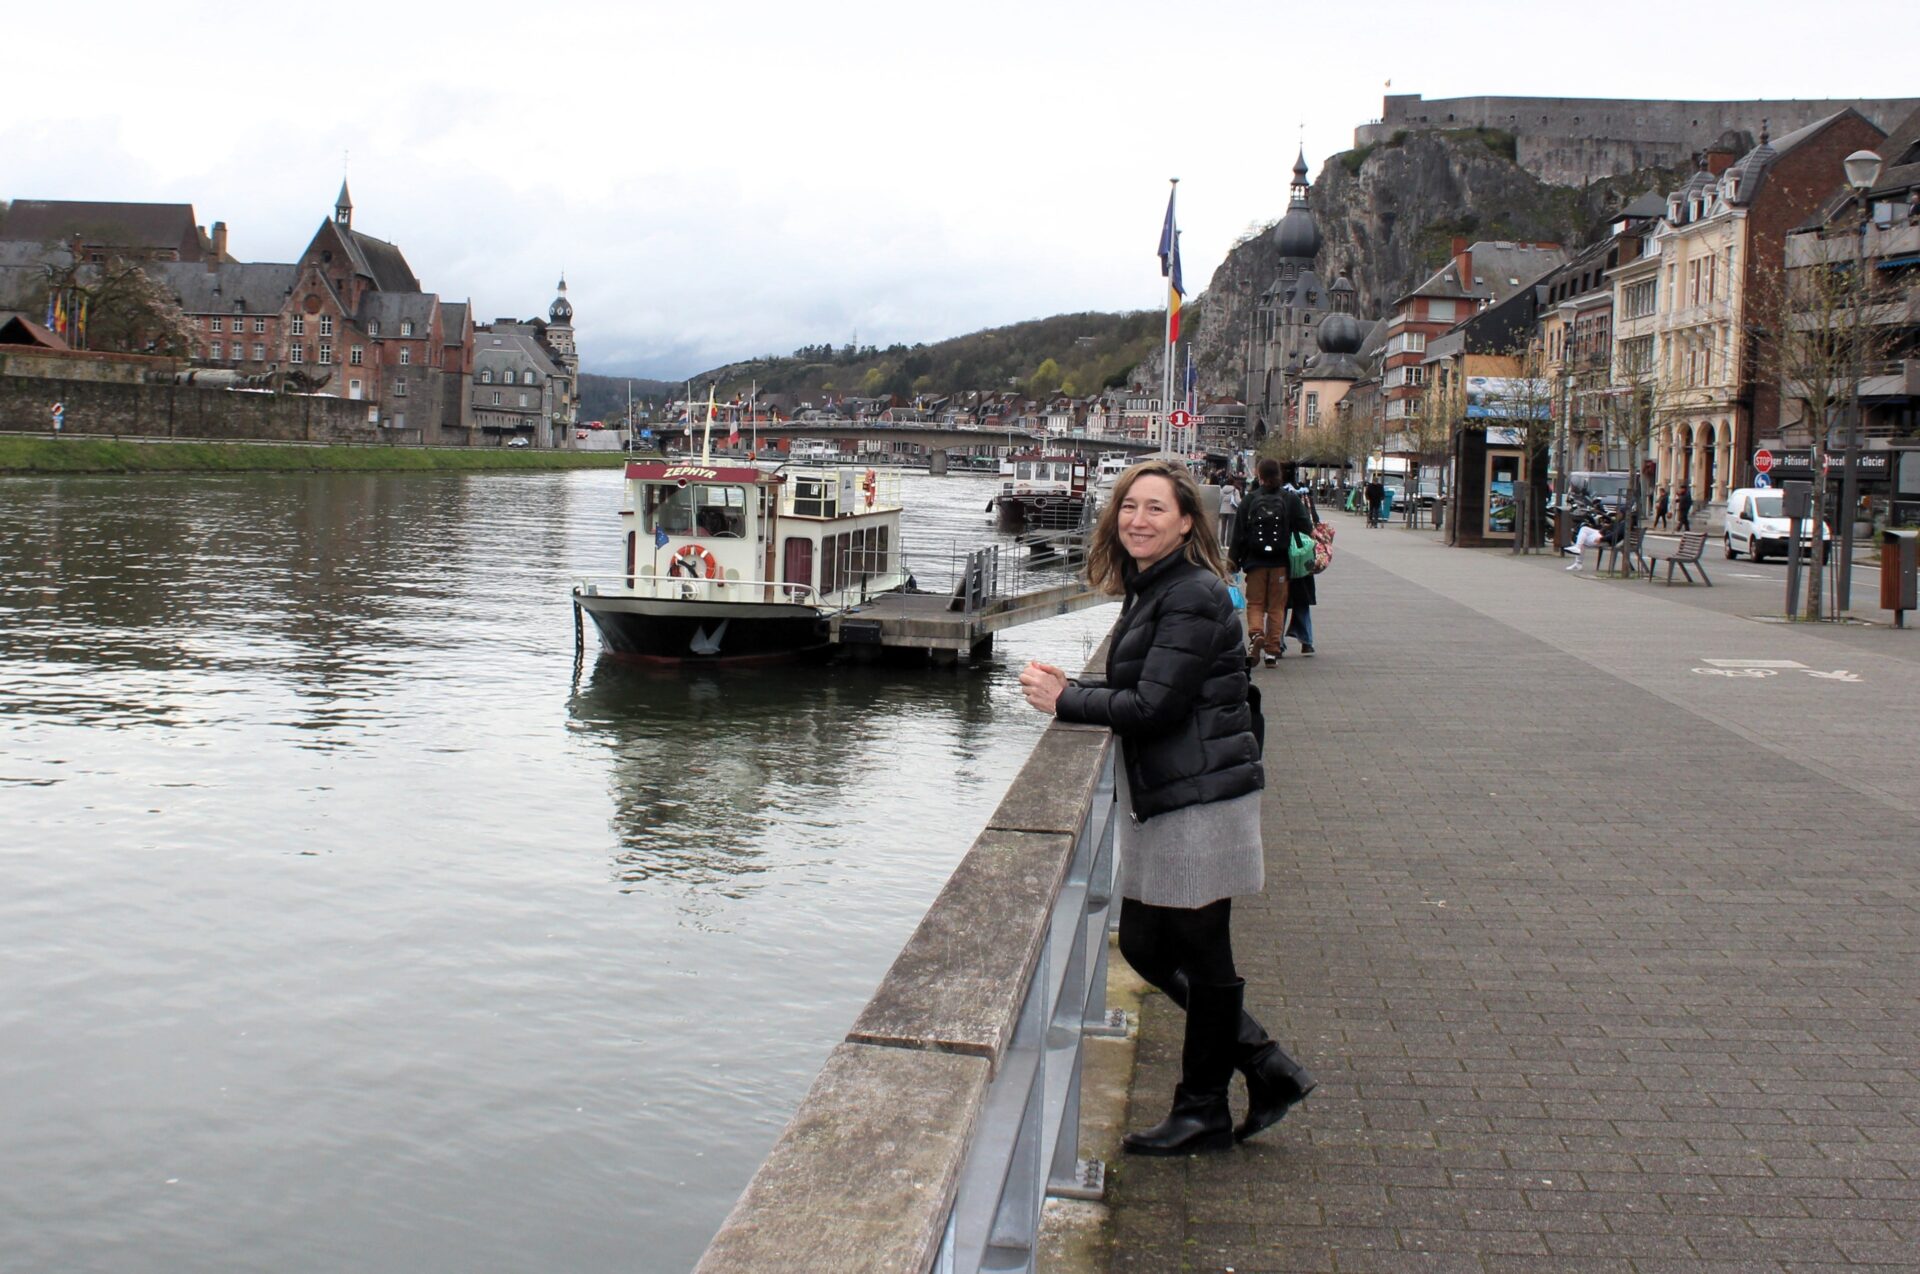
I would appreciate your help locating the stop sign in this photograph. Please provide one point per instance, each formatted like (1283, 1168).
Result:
(1763, 461)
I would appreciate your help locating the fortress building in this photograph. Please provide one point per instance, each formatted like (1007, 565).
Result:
(1571, 141)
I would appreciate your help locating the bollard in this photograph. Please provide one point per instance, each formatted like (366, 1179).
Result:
(1899, 569)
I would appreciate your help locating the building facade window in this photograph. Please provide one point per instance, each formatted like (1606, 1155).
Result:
(299, 325)
(326, 325)
(219, 325)
(496, 398)
(486, 376)
(259, 352)
(357, 355)
(406, 356)
(406, 327)
(298, 354)
(259, 327)
(216, 348)
(523, 400)
(326, 353)
(400, 389)
(373, 329)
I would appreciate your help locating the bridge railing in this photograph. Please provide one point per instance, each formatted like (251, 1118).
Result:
(936, 1129)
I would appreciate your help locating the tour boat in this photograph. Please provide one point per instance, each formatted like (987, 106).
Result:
(1046, 492)
(736, 564)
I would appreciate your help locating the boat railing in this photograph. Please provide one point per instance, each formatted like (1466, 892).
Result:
(939, 1126)
(799, 498)
(697, 588)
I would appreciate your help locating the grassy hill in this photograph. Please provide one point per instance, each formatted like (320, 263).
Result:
(1067, 353)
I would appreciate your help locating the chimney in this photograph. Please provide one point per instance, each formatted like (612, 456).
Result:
(1463, 263)
(219, 242)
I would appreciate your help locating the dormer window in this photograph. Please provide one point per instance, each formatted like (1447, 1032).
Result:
(406, 327)
(486, 376)
(373, 329)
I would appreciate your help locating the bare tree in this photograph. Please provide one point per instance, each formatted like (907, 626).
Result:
(1817, 323)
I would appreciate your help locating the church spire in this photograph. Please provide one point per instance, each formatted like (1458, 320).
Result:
(343, 207)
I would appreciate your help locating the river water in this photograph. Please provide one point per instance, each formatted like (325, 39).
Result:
(346, 924)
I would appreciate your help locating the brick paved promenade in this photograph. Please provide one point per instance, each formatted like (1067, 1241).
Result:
(1604, 963)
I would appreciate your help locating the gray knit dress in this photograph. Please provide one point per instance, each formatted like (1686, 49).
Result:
(1191, 856)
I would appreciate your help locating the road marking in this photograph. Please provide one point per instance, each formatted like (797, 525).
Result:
(1838, 675)
(1738, 672)
(1754, 663)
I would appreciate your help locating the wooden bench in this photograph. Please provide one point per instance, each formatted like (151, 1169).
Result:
(1686, 557)
(1630, 554)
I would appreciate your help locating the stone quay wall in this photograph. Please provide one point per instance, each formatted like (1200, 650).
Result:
(1570, 141)
(111, 396)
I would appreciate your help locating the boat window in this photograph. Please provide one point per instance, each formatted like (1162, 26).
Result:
(669, 508)
(720, 511)
(815, 497)
(1024, 470)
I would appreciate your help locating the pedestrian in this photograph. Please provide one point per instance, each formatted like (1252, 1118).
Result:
(1302, 586)
(1229, 506)
(1660, 510)
(1376, 496)
(1261, 535)
(1683, 507)
(1187, 784)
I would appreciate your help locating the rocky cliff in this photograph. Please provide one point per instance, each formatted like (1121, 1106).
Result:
(1388, 214)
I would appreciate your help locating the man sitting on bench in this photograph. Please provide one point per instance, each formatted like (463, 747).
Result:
(1591, 536)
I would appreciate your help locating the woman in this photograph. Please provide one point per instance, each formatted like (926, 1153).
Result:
(1188, 786)
(1303, 592)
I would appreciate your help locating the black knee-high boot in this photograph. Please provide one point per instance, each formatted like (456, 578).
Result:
(1275, 1082)
(1200, 1120)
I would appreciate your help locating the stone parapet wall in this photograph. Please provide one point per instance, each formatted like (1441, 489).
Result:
(1571, 140)
(130, 410)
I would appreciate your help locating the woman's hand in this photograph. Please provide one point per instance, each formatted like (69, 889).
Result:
(1042, 684)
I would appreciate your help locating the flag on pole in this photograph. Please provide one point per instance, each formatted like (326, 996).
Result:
(1170, 268)
(659, 537)
(1193, 380)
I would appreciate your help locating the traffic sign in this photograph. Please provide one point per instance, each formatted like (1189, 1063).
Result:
(1763, 480)
(1180, 419)
(1763, 461)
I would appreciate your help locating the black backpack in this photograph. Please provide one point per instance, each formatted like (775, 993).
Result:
(1268, 525)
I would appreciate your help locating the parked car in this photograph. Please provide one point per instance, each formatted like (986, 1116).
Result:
(580, 433)
(518, 442)
(1757, 524)
(596, 424)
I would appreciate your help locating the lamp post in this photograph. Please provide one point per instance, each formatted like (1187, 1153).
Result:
(1863, 170)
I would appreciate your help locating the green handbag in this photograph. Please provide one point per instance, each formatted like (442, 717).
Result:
(1300, 555)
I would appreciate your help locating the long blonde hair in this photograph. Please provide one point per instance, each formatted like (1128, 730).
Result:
(1107, 558)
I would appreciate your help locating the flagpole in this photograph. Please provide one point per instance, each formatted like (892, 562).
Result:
(1166, 401)
(706, 435)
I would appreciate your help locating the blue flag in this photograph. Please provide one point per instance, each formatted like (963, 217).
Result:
(659, 537)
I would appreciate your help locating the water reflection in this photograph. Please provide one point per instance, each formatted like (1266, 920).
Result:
(707, 770)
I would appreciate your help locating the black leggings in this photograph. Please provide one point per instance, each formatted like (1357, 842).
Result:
(1160, 942)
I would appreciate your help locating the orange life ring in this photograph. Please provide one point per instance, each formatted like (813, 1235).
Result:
(699, 556)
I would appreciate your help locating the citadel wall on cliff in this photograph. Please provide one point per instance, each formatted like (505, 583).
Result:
(1569, 141)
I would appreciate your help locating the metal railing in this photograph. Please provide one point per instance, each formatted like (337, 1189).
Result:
(936, 1130)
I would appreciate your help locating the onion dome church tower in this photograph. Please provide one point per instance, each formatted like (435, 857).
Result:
(560, 330)
(1293, 307)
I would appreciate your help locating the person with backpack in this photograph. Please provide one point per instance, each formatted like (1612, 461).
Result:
(1376, 496)
(1262, 544)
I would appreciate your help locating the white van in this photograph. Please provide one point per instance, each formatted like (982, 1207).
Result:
(1757, 524)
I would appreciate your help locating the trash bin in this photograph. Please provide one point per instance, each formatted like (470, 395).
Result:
(1899, 565)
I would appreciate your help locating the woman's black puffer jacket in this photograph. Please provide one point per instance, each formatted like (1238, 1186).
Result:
(1176, 691)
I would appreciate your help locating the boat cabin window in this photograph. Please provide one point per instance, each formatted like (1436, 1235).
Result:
(698, 509)
(816, 496)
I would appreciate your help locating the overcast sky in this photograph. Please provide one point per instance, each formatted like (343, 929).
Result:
(720, 180)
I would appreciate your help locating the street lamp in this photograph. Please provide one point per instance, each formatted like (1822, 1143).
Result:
(1863, 170)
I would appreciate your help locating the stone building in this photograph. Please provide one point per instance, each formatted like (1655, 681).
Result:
(1687, 302)
(1880, 230)
(94, 230)
(350, 314)
(1475, 277)
(525, 381)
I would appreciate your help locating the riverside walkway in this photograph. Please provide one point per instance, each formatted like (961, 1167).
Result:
(1594, 905)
